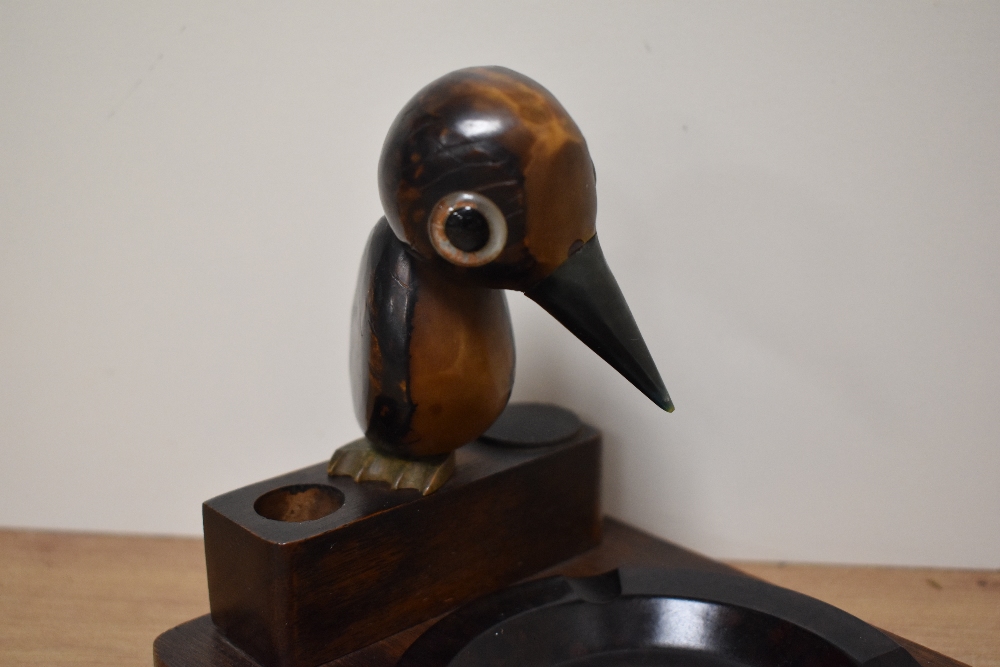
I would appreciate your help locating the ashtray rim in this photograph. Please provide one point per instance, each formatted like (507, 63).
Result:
(860, 642)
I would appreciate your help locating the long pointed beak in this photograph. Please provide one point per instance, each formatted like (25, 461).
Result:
(584, 295)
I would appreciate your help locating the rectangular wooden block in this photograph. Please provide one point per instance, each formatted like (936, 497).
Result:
(298, 594)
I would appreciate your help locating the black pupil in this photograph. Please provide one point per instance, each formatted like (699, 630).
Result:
(467, 229)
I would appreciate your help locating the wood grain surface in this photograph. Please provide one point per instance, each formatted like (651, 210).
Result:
(72, 599)
(304, 593)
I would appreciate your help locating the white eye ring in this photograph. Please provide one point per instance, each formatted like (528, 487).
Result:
(497, 224)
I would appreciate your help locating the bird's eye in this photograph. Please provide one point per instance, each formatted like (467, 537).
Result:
(467, 229)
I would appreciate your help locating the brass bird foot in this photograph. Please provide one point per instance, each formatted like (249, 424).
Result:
(359, 461)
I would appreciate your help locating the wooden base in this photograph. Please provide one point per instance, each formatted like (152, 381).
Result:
(305, 568)
(198, 643)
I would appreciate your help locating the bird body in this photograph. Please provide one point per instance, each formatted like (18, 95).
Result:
(487, 184)
(433, 357)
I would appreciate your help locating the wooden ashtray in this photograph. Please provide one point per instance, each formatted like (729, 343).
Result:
(655, 618)
(199, 643)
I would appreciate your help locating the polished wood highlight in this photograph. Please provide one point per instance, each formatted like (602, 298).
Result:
(486, 184)
(492, 131)
(432, 359)
(69, 599)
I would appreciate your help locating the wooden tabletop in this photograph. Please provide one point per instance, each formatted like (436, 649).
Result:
(75, 599)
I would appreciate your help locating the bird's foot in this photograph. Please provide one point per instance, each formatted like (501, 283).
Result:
(361, 462)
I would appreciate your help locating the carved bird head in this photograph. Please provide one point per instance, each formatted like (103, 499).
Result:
(485, 175)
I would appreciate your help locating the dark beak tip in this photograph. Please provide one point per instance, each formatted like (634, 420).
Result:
(584, 296)
(662, 400)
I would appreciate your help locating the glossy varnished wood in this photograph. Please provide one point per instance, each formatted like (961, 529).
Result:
(486, 184)
(497, 132)
(432, 358)
(195, 644)
(301, 593)
(655, 616)
(432, 348)
(462, 364)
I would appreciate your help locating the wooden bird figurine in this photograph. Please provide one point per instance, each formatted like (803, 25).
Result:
(487, 185)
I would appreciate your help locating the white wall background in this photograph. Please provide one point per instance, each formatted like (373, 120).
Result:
(800, 201)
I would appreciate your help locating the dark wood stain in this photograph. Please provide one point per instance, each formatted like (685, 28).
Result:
(496, 132)
(298, 594)
(198, 643)
(380, 338)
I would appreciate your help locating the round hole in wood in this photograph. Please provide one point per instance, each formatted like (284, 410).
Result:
(299, 502)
